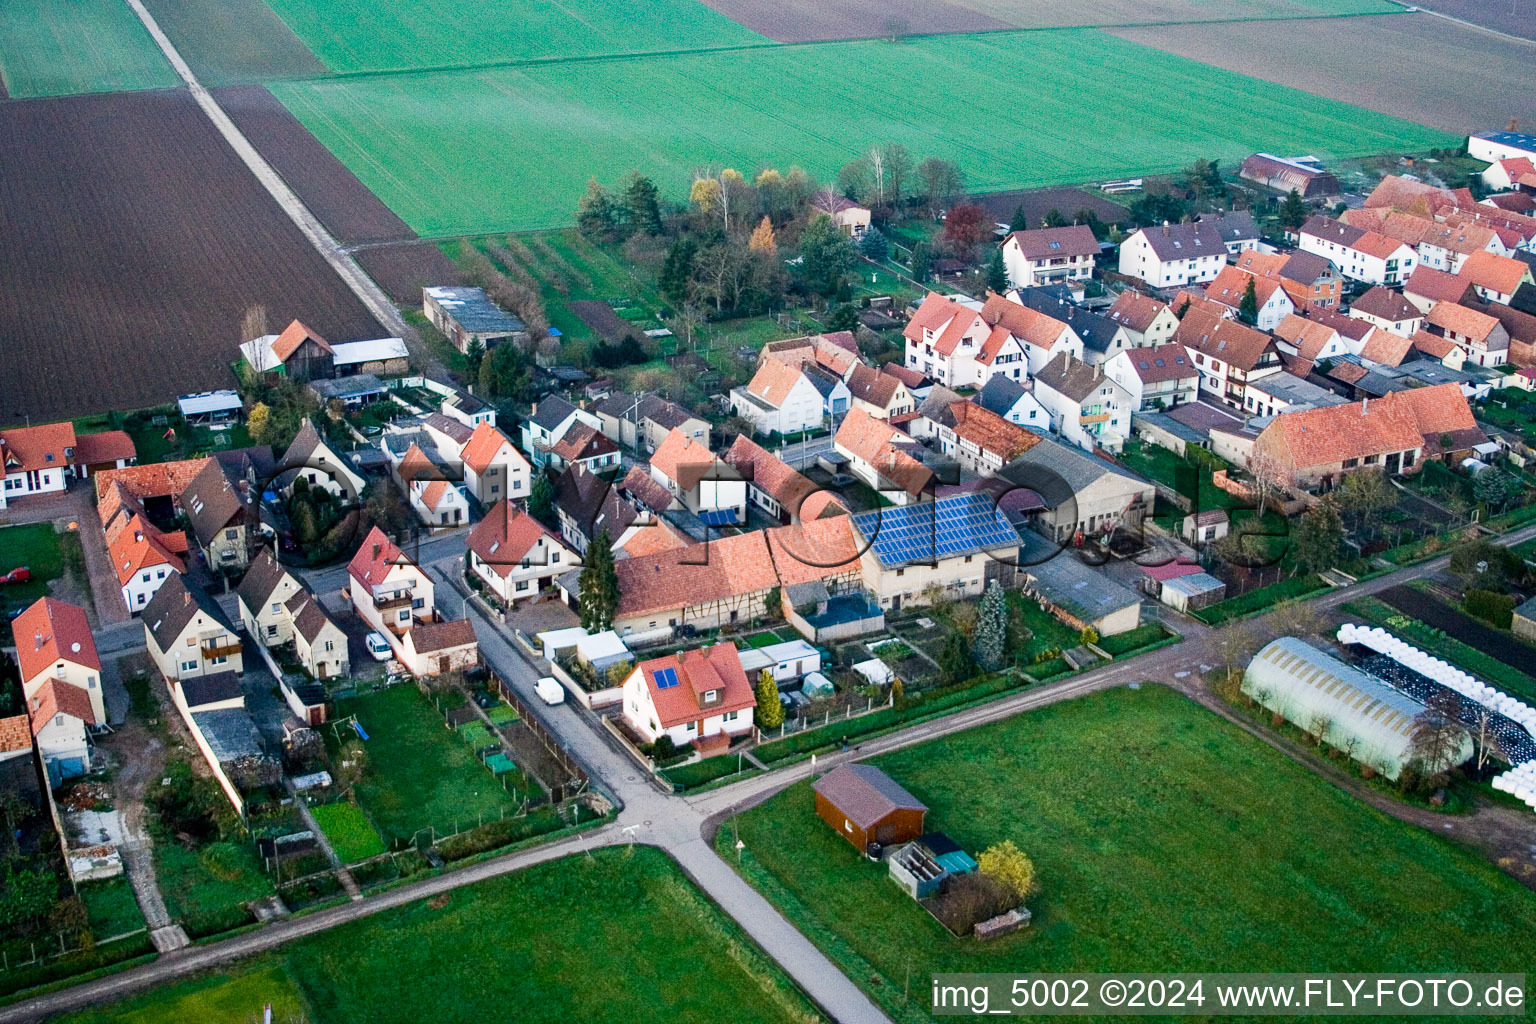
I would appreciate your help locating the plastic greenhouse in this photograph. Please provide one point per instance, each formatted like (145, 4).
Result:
(1374, 722)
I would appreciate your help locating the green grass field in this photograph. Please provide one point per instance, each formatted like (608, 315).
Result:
(618, 936)
(205, 888)
(233, 41)
(37, 547)
(380, 35)
(58, 47)
(111, 906)
(347, 828)
(419, 773)
(440, 149)
(1166, 840)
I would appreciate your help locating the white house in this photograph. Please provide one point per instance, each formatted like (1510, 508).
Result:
(1503, 145)
(1273, 302)
(142, 555)
(1007, 397)
(1227, 354)
(437, 499)
(1495, 278)
(1147, 321)
(1086, 407)
(276, 609)
(547, 423)
(700, 698)
(1174, 255)
(1155, 378)
(961, 343)
(1359, 254)
(493, 468)
(780, 399)
(1389, 310)
(309, 457)
(188, 634)
(61, 684)
(514, 556)
(35, 460)
(389, 592)
(1049, 255)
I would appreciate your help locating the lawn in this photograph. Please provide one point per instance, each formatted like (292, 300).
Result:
(37, 547)
(233, 41)
(206, 888)
(667, 955)
(1166, 840)
(111, 906)
(377, 35)
(420, 774)
(436, 149)
(55, 48)
(347, 828)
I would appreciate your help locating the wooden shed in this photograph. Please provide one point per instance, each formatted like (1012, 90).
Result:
(865, 806)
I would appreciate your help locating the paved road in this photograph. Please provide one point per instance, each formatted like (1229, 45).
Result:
(683, 827)
(334, 253)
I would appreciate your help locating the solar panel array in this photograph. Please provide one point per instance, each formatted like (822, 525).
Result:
(925, 533)
(718, 517)
(666, 678)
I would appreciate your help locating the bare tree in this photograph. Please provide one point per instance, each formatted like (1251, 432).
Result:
(1235, 644)
(1298, 618)
(876, 159)
(1318, 726)
(253, 323)
(1437, 733)
(1268, 478)
(1485, 742)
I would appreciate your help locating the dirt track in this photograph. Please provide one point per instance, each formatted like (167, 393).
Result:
(135, 240)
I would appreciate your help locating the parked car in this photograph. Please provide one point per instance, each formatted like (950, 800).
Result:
(378, 647)
(549, 690)
(20, 574)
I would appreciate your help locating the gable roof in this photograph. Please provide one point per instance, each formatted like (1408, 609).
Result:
(50, 631)
(56, 697)
(1385, 304)
(1059, 471)
(999, 394)
(1049, 243)
(797, 493)
(1496, 273)
(1352, 328)
(1020, 321)
(107, 446)
(429, 637)
(873, 440)
(135, 544)
(1136, 311)
(1236, 344)
(908, 376)
(1402, 194)
(551, 411)
(1436, 411)
(308, 617)
(989, 431)
(774, 381)
(864, 794)
(1184, 241)
(1071, 377)
(455, 430)
(1386, 347)
(45, 446)
(592, 503)
(293, 337)
(1312, 438)
(1309, 336)
(262, 578)
(646, 491)
(714, 570)
(1305, 268)
(1454, 318)
(1054, 300)
(505, 537)
(873, 386)
(374, 558)
(211, 502)
(1435, 346)
(683, 460)
(582, 441)
(484, 444)
(1436, 285)
(1231, 284)
(174, 605)
(693, 674)
(814, 549)
(1160, 363)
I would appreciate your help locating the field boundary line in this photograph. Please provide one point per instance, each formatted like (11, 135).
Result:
(361, 285)
(1465, 23)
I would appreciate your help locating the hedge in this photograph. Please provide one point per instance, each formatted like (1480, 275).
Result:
(699, 773)
(1256, 602)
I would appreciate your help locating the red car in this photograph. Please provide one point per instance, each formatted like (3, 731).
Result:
(20, 574)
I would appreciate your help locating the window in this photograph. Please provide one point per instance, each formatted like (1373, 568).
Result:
(146, 577)
(330, 645)
(710, 695)
(217, 661)
(522, 585)
(1371, 460)
(189, 666)
(901, 572)
(419, 603)
(271, 631)
(690, 727)
(160, 575)
(231, 534)
(141, 599)
(731, 716)
(554, 556)
(495, 488)
(191, 641)
(276, 607)
(405, 615)
(1351, 463)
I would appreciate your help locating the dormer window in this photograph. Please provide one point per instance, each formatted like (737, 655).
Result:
(710, 696)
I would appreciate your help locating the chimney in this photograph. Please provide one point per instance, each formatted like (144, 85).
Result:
(1365, 405)
(1165, 229)
(38, 639)
(1514, 124)
(186, 597)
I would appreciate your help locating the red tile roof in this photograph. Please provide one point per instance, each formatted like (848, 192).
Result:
(1453, 318)
(1436, 285)
(797, 493)
(583, 441)
(874, 386)
(483, 446)
(1316, 438)
(990, 432)
(50, 631)
(430, 637)
(505, 536)
(1441, 409)
(56, 696)
(46, 446)
(814, 549)
(910, 377)
(293, 336)
(871, 440)
(654, 538)
(683, 460)
(156, 480)
(1494, 272)
(15, 734)
(1159, 363)
(108, 446)
(645, 490)
(715, 668)
(1309, 336)
(773, 381)
(1135, 310)
(715, 570)
(1386, 347)
(374, 559)
(1231, 285)
(1433, 345)
(1227, 340)
(1022, 322)
(137, 544)
(1399, 193)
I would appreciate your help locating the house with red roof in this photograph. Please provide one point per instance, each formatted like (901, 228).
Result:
(1427, 286)
(961, 343)
(394, 597)
(1155, 378)
(514, 556)
(1041, 256)
(1228, 354)
(45, 458)
(1360, 254)
(781, 398)
(1495, 278)
(1483, 337)
(1145, 320)
(61, 682)
(493, 467)
(1273, 301)
(700, 698)
(883, 457)
(143, 556)
(709, 584)
(1512, 174)
(778, 489)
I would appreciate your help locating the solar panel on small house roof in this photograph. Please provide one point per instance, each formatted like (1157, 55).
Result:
(959, 525)
(666, 678)
(718, 517)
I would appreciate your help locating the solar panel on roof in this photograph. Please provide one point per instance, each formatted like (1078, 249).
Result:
(666, 678)
(960, 525)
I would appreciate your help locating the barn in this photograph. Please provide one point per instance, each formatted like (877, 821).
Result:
(1286, 175)
(865, 805)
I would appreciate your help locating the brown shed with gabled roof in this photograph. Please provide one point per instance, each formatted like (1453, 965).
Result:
(865, 805)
